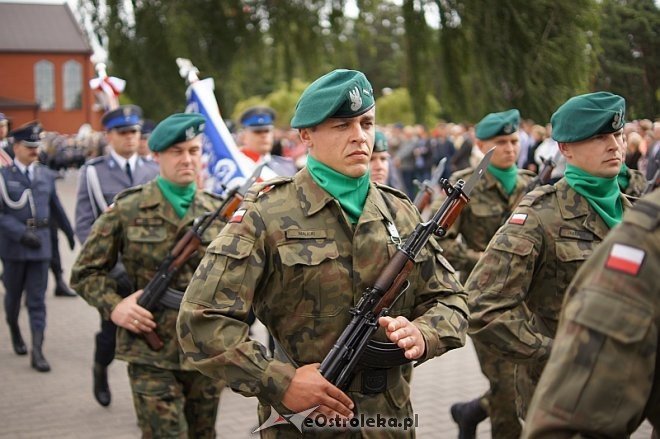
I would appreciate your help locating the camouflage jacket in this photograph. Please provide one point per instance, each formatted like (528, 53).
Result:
(487, 210)
(143, 227)
(636, 183)
(290, 253)
(516, 289)
(602, 377)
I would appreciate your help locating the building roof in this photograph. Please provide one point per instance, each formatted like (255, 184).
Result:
(30, 27)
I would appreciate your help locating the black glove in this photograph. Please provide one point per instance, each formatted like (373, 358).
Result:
(72, 241)
(30, 240)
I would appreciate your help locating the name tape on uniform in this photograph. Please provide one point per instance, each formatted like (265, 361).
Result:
(625, 259)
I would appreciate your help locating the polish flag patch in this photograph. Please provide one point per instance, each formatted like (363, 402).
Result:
(625, 259)
(518, 218)
(238, 216)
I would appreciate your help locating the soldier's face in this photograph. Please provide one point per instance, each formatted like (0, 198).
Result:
(126, 143)
(259, 141)
(3, 129)
(180, 163)
(600, 155)
(24, 154)
(507, 150)
(379, 167)
(343, 144)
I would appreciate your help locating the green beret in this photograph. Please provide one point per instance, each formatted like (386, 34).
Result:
(340, 93)
(176, 128)
(584, 116)
(498, 124)
(380, 144)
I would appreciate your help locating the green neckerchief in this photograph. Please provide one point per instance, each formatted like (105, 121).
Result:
(350, 192)
(180, 197)
(507, 177)
(602, 193)
(622, 178)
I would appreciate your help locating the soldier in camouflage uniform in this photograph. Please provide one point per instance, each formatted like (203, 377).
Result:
(491, 202)
(517, 287)
(301, 251)
(171, 399)
(602, 377)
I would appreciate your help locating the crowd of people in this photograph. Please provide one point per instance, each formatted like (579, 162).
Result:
(550, 279)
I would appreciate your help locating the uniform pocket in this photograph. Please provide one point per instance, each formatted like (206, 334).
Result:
(312, 273)
(571, 254)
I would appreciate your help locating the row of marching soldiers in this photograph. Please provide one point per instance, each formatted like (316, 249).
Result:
(546, 286)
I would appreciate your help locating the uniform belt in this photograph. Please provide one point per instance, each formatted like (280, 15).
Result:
(171, 298)
(371, 381)
(36, 223)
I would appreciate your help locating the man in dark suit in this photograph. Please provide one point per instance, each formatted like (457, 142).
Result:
(27, 202)
(100, 180)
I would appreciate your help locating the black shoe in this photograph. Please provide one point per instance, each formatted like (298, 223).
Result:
(63, 290)
(468, 415)
(38, 360)
(101, 388)
(17, 341)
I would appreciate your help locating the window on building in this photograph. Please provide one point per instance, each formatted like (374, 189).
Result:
(72, 85)
(44, 84)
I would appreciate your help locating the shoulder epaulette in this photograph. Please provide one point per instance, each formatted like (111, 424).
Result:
(258, 189)
(391, 190)
(535, 195)
(127, 192)
(95, 161)
(646, 212)
(461, 174)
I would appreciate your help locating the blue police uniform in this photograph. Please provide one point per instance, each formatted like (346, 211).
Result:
(101, 179)
(27, 202)
(262, 118)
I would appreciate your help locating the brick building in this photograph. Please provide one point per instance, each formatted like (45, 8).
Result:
(45, 68)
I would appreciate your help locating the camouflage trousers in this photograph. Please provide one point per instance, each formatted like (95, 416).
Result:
(526, 377)
(391, 406)
(500, 400)
(174, 403)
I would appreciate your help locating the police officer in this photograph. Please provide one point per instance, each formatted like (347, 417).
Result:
(101, 179)
(602, 377)
(492, 200)
(27, 201)
(301, 251)
(517, 287)
(257, 140)
(170, 399)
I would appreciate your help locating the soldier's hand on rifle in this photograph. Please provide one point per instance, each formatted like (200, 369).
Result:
(405, 334)
(308, 388)
(129, 315)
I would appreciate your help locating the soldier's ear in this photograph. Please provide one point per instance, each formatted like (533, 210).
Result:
(156, 156)
(305, 136)
(565, 149)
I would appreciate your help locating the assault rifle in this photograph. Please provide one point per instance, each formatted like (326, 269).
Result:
(338, 366)
(654, 182)
(544, 174)
(184, 249)
(425, 188)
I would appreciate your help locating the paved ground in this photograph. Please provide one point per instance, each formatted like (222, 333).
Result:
(60, 404)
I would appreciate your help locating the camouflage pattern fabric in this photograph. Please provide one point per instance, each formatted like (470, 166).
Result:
(173, 403)
(517, 287)
(602, 377)
(291, 254)
(143, 227)
(636, 183)
(487, 210)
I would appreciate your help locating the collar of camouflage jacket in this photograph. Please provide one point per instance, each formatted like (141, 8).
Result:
(153, 199)
(314, 198)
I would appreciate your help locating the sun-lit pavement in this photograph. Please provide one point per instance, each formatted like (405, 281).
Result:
(60, 404)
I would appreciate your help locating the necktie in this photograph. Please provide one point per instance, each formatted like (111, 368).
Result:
(128, 172)
(27, 175)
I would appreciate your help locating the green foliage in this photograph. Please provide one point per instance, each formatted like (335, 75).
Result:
(475, 56)
(397, 107)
